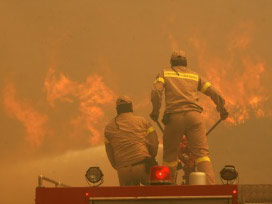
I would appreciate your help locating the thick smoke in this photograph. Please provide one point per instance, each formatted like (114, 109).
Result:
(64, 62)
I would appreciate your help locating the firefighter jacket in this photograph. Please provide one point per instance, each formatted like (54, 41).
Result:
(181, 87)
(130, 139)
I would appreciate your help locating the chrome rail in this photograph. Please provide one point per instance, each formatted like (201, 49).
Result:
(42, 178)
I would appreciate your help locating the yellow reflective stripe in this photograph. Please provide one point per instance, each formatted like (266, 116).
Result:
(149, 130)
(204, 88)
(106, 141)
(181, 75)
(202, 159)
(160, 79)
(170, 164)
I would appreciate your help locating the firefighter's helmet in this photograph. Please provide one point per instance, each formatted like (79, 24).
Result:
(123, 100)
(178, 58)
(124, 104)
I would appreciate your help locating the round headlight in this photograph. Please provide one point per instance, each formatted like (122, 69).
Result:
(94, 174)
(229, 173)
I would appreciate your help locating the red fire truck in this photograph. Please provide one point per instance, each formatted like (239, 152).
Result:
(187, 194)
(158, 193)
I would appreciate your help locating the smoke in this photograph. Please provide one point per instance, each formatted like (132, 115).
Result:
(68, 60)
(241, 37)
(173, 42)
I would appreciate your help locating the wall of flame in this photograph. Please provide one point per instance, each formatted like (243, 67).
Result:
(62, 64)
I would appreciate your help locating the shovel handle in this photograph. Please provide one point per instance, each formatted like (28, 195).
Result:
(208, 132)
(211, 129)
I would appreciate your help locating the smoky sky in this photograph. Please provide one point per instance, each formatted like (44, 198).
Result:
(62, 64)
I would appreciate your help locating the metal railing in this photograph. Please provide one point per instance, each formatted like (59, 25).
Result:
(42, 178)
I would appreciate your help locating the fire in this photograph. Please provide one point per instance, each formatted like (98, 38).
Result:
(58, 87)
(88, 99)
(33, 121)
(90, 96)
(239, 78)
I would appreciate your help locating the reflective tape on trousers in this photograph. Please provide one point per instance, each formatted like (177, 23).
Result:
(202, 159)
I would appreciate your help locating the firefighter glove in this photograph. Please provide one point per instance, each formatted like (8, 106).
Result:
(224, 114)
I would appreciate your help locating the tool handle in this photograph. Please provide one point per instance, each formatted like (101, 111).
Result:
(211, 129)
(160, 126)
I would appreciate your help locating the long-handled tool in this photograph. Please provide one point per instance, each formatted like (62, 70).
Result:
(211, 129)
(208, 132)
(160, 126)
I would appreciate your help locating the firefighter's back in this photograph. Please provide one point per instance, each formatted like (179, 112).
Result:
(181, 89)
(128, 138)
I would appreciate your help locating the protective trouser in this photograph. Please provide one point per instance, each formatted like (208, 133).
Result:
(191, 124)
(133, 175)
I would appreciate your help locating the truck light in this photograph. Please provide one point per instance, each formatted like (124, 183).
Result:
(229, 174)
(160, 175)
(94, 175)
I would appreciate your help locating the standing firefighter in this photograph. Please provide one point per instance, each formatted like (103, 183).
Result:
(131, 144)
(182, 114)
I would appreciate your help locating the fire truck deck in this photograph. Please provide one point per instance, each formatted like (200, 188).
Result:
(139, 194)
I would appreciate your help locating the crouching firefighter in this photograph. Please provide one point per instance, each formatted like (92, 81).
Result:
(131, 144)
(182, 115)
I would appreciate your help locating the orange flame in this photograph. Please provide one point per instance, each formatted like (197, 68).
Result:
(239, 77)
(33, 121)
(89, 95)
(58, 87)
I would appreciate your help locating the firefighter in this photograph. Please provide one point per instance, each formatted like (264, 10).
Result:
(182, 115)
(131, 144)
